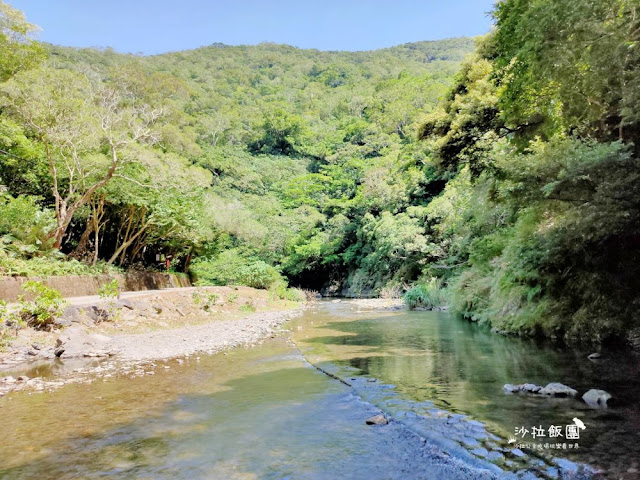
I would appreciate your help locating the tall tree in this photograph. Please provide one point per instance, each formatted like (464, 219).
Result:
(86, 130)
(18, 49)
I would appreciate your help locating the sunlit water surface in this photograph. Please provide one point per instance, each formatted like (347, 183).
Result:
(265, 413)
(462, 367)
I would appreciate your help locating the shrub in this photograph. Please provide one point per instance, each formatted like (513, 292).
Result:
(25, 227)
(391, 291)
(295, 295)
(232, 268)
(428, 294)
(41, 312)
(109, 290)
(279, 291)
(49, 266)
(206, 300)
(232, 297)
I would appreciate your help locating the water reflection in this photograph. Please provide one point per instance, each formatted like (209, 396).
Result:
(258, 413)
(462, 367)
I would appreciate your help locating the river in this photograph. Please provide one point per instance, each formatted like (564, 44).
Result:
(265, 412)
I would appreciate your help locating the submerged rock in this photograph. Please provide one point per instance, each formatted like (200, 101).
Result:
(525, 387)
(377, 420)
(558, 390)
(596, 398)
(516, 452)
(552, 389)
(509, 388)
(530, 388)
(480, 452)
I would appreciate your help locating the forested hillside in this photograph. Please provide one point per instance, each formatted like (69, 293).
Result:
(233, 160)
(507, 187)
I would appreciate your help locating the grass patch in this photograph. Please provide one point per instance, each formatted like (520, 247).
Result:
(429, 294)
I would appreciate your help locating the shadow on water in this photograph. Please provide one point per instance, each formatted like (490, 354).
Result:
(262, 413)
(462, 367)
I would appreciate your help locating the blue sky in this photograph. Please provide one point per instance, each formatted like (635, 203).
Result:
(155, 26)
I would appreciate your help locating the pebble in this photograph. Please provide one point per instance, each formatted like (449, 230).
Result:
(377, 420)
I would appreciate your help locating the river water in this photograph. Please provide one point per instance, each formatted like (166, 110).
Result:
(265, 412)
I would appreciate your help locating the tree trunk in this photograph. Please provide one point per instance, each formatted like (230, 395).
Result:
(82, 249)
(125, 245)
(98, 214)
(187, 262)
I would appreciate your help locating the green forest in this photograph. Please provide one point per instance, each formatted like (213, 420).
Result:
(498, 175)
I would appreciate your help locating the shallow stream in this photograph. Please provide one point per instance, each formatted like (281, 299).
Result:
(266, 413)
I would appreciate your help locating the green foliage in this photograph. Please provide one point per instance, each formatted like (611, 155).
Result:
(232, 297)
(295, 295)
(47, 305)
(571, 63)
(519, 191)
(536, 227)
(51, 267)
(109, 289)
(25, 228)
(206, 300)
(280, 291)
(282, 132)
(18, 50)
(5, 335)
(232, 268)
(467, 124)
(561, 263)
(426, 294)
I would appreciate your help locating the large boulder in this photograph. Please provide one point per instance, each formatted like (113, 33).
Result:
(72, 313)
(596, 398)
(75, 342)
(558, 390)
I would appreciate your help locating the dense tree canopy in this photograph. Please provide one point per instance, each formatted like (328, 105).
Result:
(503, 179)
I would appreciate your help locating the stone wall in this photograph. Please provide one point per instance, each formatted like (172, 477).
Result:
(82, 285)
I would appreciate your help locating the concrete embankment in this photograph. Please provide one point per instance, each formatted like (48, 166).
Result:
(83, 285)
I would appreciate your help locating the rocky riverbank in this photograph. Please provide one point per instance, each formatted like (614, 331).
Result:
(97, 338)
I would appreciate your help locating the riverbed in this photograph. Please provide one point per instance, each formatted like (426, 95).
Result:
(268, 412)
(461, 367)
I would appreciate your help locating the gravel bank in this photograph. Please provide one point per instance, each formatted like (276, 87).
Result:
(207, 338)
(100, 338)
